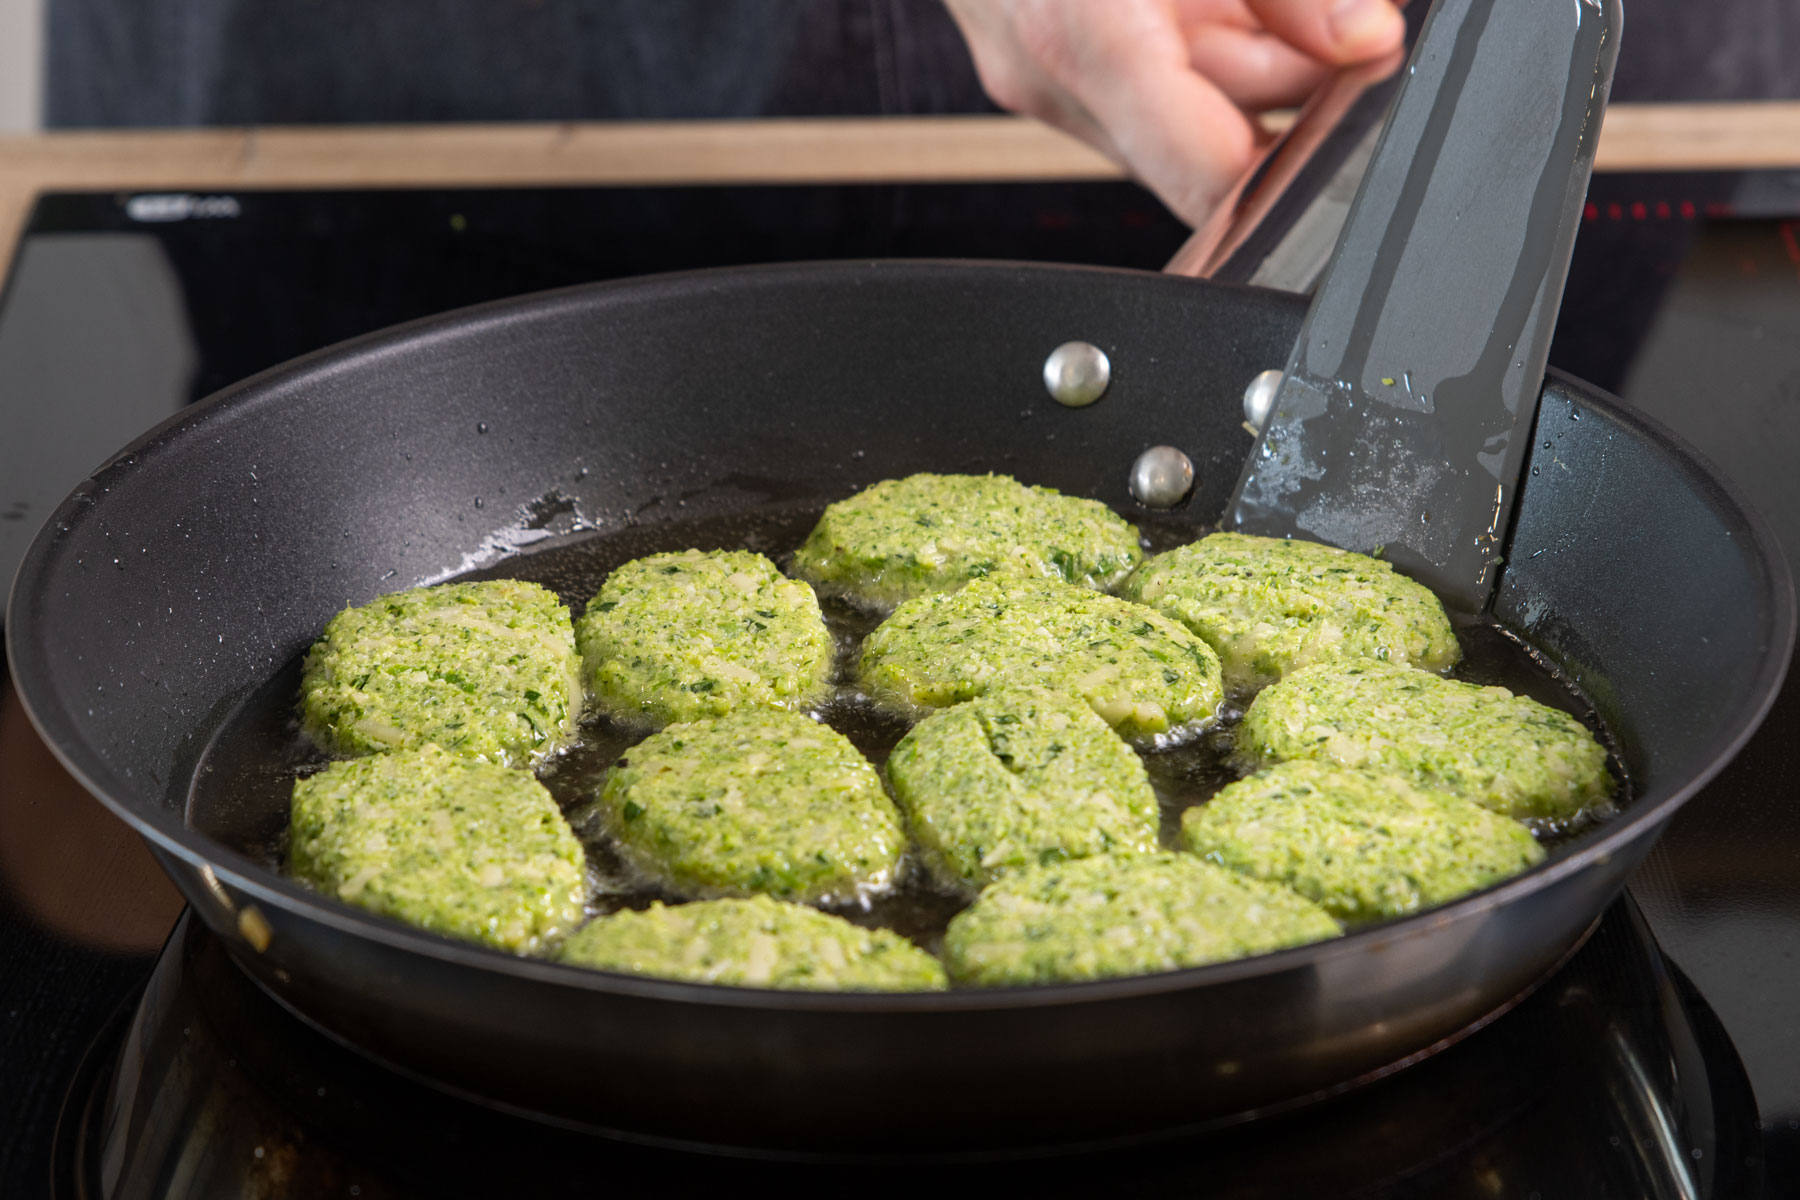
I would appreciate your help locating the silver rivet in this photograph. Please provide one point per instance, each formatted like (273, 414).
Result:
(1161, 477)
(1259, 397)
(1076, 373)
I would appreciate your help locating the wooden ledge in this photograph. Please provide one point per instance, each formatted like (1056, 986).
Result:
(1669, 137)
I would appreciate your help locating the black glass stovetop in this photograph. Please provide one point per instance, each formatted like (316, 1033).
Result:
(1662, 1060)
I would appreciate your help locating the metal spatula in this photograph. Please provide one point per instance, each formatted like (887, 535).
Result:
(1405, 410)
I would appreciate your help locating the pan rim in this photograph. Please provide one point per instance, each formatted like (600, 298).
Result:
(168, 831)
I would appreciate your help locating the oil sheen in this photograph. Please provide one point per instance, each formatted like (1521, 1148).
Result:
(239, 790)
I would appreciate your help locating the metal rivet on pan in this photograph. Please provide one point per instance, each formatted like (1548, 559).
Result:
(1259, 397)
(1161, 477)
(1076, 373)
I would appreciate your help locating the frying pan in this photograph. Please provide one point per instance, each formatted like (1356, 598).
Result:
(191, 570)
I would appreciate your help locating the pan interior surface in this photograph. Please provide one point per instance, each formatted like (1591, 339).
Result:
(190, 571)
(239, 790)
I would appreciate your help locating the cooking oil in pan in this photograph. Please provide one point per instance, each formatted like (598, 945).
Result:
(241, 785)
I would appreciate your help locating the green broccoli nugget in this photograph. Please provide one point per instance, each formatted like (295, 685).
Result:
(462, 848)
(757, 942)
(1123, 915)
(484, 670)
(760, 801)
(1019, 777)
(1361, 845)
(690, 634)
(1146, 675)
(1270, 606)
(1505, 752)
(932, 533)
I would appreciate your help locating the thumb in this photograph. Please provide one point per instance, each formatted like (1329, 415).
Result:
(1334, 31)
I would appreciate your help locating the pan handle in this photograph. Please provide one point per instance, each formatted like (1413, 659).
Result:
(1278, 225)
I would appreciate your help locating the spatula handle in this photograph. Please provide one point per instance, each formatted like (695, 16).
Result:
(1277, 226)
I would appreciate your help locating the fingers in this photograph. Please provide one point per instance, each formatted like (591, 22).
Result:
(1162, 86)
(1018, 80)
(1055, 107)
(1334, 31)
(1256, 70)
(1183, 135)
(1117, 75)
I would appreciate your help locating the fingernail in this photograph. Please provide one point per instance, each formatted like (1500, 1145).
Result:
(1358, 25)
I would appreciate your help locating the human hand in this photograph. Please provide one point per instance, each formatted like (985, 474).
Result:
(1168, 89)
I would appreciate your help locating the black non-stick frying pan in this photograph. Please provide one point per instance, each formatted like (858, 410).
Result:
(190, 571)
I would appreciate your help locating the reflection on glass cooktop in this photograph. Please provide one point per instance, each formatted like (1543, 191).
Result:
(1612, 1080)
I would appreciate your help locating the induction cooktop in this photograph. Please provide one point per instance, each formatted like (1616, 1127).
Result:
(1663, 1060)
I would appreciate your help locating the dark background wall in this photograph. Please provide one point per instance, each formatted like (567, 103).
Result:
(211, 62)
(1709, 50)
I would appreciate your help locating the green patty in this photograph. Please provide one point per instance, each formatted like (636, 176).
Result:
(1362, 845)
(932, 533)
(676, 637)
(467, 849)
(485, 670)
(1505, 752)
(1270, 606)
(759, 801)
(1145, 674)
(1123, 915)
(1019, 777)
(754, 943)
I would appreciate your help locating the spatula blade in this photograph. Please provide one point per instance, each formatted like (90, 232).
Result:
(1408, 400)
